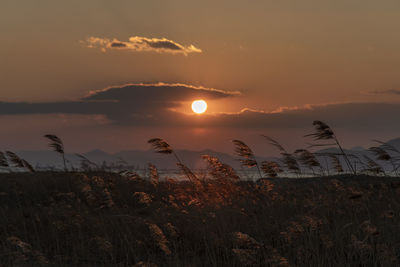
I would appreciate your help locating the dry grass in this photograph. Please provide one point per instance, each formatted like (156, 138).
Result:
(102, 219)
(214, 218)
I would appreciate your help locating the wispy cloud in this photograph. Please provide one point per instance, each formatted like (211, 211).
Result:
(384, 92)
(141, 44)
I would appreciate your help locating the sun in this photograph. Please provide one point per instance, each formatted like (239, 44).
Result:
(199, 106)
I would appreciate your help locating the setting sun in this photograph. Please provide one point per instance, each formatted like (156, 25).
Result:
(199, 106)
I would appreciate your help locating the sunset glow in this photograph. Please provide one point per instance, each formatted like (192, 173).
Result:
(199, 106)
(200, 133)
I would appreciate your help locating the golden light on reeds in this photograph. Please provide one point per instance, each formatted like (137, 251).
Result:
(199, 106)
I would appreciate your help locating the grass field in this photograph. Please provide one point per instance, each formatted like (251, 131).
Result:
(103, 219)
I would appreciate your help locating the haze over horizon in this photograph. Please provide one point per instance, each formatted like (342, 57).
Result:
(110, 75)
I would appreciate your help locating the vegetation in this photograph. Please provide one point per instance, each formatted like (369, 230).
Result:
(98, 217)
(104, 219)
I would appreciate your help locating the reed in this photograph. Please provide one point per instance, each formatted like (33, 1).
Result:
(154, 177)
(87, 164)
(161, 146)
(337, 165)
(247, 156)
(57, 145)
(287, 158)
(3, 160)
(308, 159)
(16, 161)
(373, 166)
(324, 132)
(271, 168)
(382, 152)
(219, 170)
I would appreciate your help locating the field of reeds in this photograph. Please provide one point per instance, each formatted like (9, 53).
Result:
(104, 219)
(345, 215)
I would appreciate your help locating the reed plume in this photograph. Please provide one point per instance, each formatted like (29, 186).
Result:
(373, 166)
(86, 163)
(336, 163)
(290, 162)
(154, 177)
(308, 159)
(3, 160)
(324, 132)
(188, 173)
(287, 158)
(275, 143)
(28, 166)
(18, 162)
(161, 146)
(220, 170)
(57, 145)
(271, 168)
(15, 160)
(130, 175)
(247, 156)
(382, 153)
(386, 146)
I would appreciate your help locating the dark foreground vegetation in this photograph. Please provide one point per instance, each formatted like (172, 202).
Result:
(103, 219)
(97, 216)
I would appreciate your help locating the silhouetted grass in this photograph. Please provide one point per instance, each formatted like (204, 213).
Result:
(213, 218)
(103, 219)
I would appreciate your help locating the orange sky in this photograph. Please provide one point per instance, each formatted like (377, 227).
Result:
(276, 53)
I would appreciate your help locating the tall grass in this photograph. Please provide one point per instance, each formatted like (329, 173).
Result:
(246, 155)
(161, 146)
(57, 145)
(287, 158)
(103, 219)
(9, 160)
(216, 218)
(300, 162)
(324, 132)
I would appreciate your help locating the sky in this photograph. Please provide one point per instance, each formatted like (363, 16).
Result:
(112, 74)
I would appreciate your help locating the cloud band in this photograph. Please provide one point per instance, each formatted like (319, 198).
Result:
(141, 44)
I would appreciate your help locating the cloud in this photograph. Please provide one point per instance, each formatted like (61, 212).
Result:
(385, 92)
(133, 104)
(141, 44)
(155, 105)
(366, 116)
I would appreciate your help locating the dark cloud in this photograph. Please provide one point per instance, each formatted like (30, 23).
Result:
(160, 92)
(140, 44)
(118, 44)
(347, 115)
(153, 105)
(385, 92)
(136, 104)
(164, 44)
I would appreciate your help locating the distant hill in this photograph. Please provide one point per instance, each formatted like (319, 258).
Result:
(139, 159)
(135, 158)
(395, 142)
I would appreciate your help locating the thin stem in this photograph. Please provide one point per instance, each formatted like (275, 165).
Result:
(180, 162)
(258, 168)
(327, 165)
(345, 155)
(394, 167)
(176, 157)
(65, 164)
